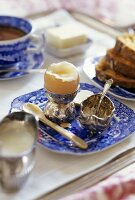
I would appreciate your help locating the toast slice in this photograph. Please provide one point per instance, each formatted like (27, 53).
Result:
(104, 72)
(120, 64)
(125, 46)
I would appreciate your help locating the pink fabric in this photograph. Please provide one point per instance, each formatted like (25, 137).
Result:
(27, 7)
(95, 8)
(23, 7)
(105, 9)
(117, 187)
(102, 9)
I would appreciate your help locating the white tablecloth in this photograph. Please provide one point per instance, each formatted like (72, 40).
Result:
(53, 170)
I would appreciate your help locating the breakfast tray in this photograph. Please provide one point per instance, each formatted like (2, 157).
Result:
(116, 164)
(113, 166)
(59, 175)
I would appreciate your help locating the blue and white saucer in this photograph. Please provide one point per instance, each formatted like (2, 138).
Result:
(121, 126)
(119, 92)
(31, 61)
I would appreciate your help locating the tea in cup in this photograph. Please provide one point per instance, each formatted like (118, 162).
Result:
(16, 37)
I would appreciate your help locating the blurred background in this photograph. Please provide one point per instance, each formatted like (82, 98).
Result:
(117, 13)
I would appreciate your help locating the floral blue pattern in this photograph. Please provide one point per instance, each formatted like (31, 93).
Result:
(121, 126)
(122, 93)
(31, 61)
(12, 51)
(17, 22)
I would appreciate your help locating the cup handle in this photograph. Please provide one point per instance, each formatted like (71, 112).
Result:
(39, 43)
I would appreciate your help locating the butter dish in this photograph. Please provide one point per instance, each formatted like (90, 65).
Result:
(66, 40)
(66, 52)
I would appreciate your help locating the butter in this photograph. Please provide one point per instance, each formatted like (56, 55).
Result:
(66, 36)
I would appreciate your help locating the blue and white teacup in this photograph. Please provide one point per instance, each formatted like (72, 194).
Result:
(14, 48)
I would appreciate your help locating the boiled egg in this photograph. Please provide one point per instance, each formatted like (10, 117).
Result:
(61, 78)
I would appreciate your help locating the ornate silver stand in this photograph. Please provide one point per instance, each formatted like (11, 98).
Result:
(60, 107)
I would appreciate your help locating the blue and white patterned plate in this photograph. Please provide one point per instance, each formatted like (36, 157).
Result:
(89, 70)
(121, 127)
(31, 61)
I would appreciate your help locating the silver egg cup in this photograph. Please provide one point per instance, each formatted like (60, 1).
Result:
(60, 108)
(96, 121)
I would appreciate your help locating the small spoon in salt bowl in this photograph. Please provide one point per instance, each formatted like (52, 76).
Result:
(105, 90)
(37, 112)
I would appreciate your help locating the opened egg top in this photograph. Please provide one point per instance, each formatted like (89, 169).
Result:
(61, 78)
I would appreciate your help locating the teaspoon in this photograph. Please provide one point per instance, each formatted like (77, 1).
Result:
(105, 90)
(37, 112)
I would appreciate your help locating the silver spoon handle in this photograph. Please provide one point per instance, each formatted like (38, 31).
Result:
(106, 87)
(29, 71)
(105, 90)
(66, 133)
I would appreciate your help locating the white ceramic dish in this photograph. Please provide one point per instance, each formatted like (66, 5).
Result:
(116, 91)
(66, 52)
